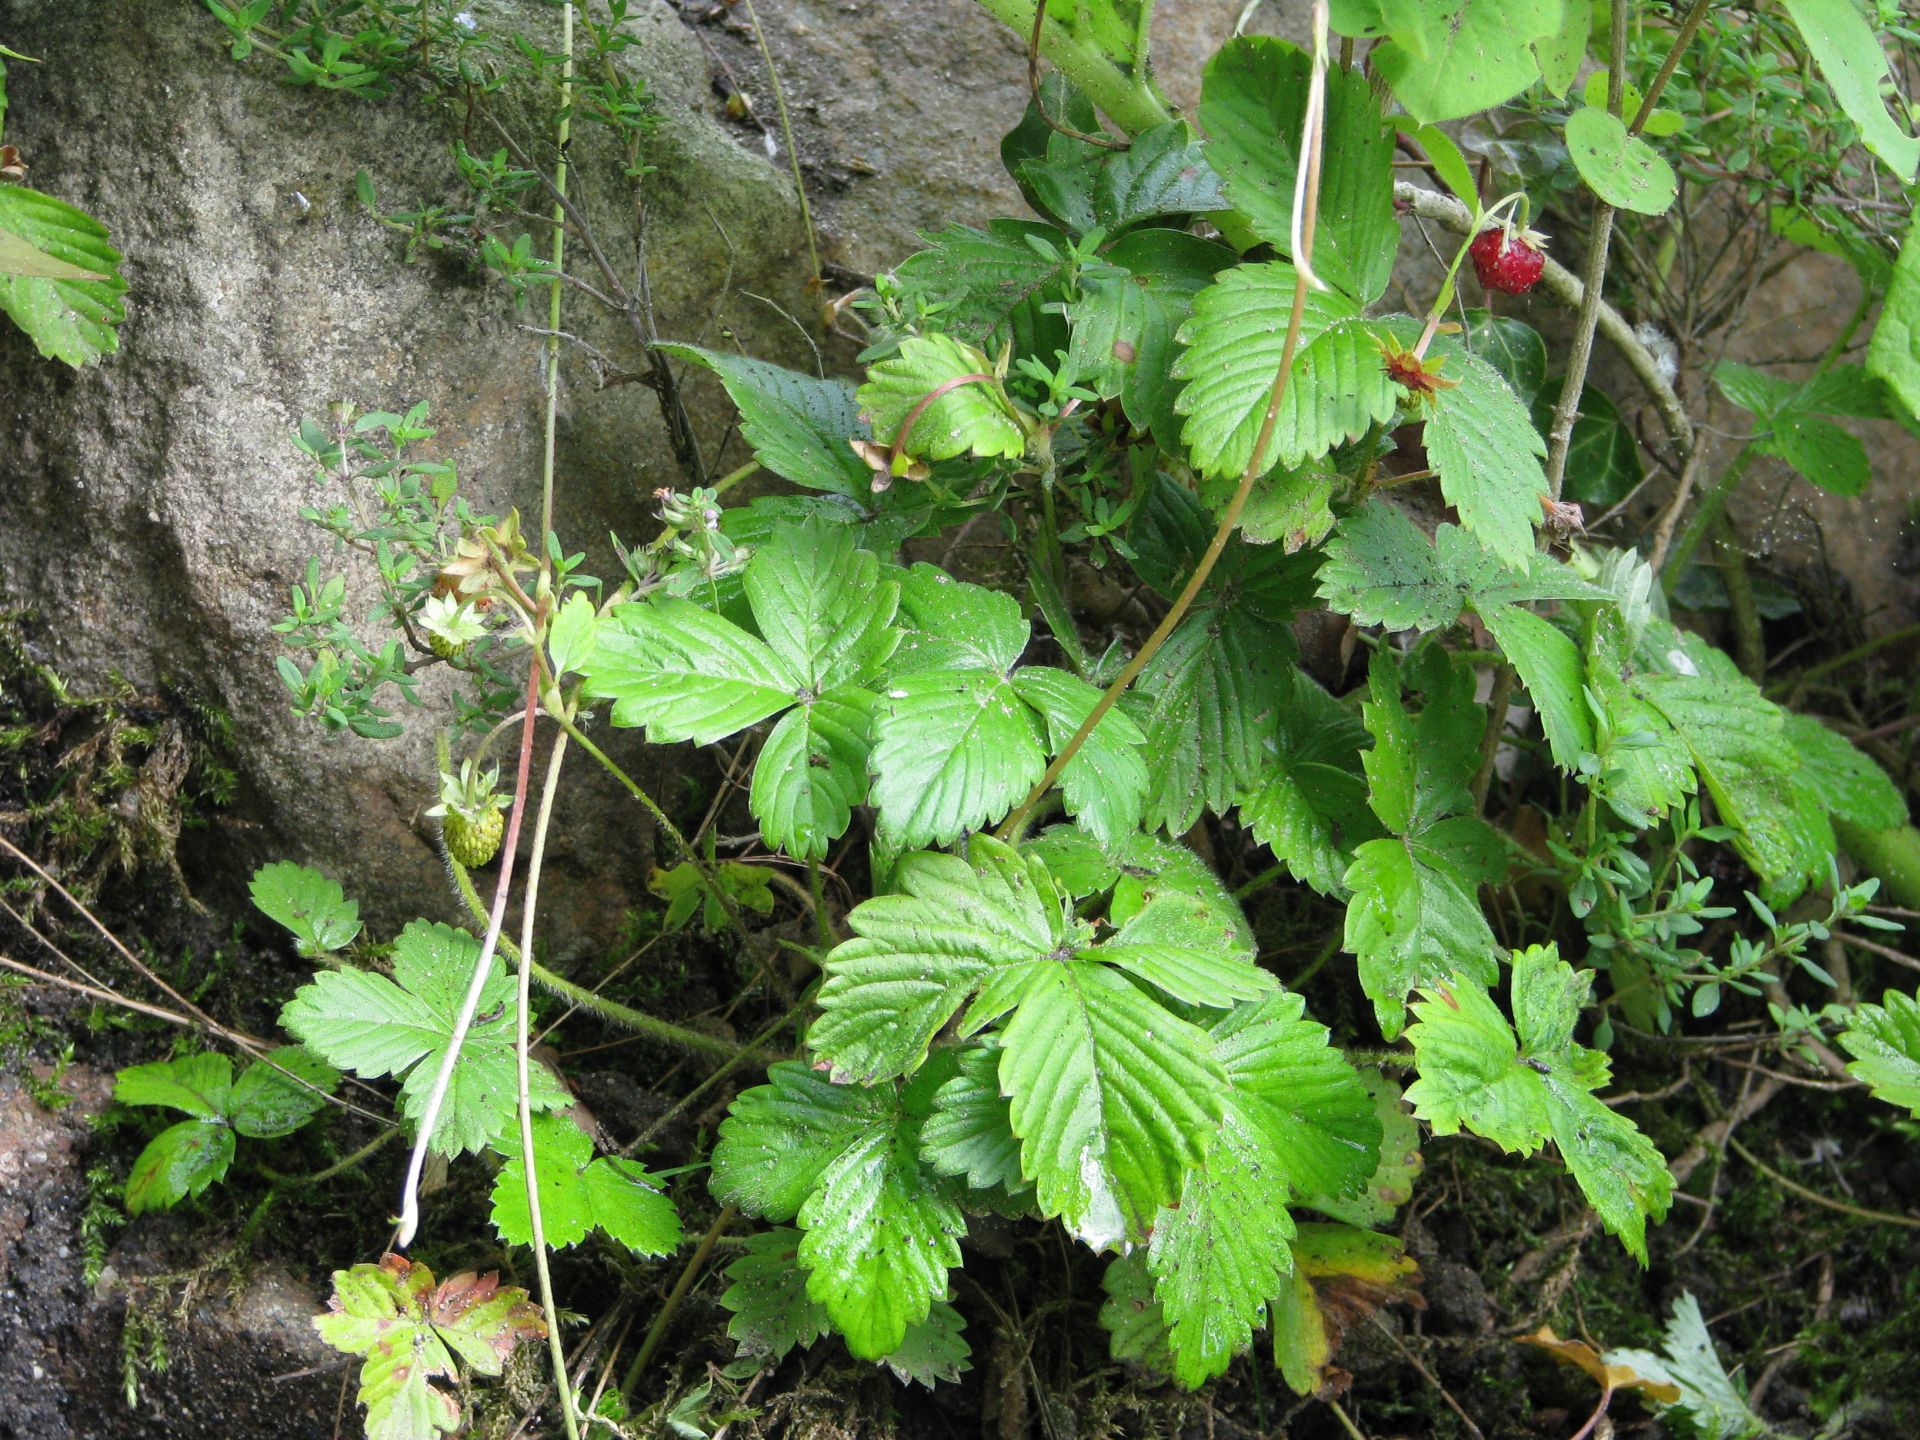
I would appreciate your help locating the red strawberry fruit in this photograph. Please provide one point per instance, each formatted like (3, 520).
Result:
(1509, 261)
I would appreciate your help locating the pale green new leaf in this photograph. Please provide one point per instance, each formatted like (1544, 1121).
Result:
(1253, 106)
(811, 772)
(951, 753)
(969, 416)
(66, 318)
(1482, 444)
(313, 907)
(799, 426)
(374, 1026)
(1518, 1093)
(1884, 1040)
(1449, 58)
(570, 640)
(1105, 784)
(685, 673)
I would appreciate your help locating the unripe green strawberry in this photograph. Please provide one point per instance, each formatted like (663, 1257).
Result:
(473, 842)
(443, 647)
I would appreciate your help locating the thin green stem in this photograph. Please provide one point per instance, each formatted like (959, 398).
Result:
(1748, 646)
(658, 1330)
(1256, 462)
(1497, 702)
(1703, 518)
(562, 130)
(1853, 656)
(1879, 1217)
(1129, 99)
(348, 1162)
(786, 132)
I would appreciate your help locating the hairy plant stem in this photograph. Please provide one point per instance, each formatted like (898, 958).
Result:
(1497, 702)
(1128, 98)
(483, 967)
(1748, 647)
(1256, 462)
(657, 1331)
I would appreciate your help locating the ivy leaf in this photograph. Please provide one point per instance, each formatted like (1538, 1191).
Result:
(1253, 107)
(879, 1235)
(772, 1312)
(579, 1192)
(1124, 324)
(179, 1162)
(964, 417)
(1310, 806)
(1451, 58)
(983, 283)
(933, 1350)
(1620, 168)
(66, 318)
(1884, 1040)
(1512, 347)
(1162, 173)
(410, 1331)
(1483, 446)
(1415, 915)
(1105, 784)
(798, 425)
(1603, 458)
(1340, 1276)
(1297, 1122)
(1474, 1074)
(685, 673)
(952, 753)
(1235, 340)
(306, 902)
(374, 1026)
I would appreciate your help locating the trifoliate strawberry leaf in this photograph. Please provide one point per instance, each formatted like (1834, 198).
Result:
(579, 1192)
(1518, 1093)
(950, 394)
(1132, 1318)
(687, 888)
(1105, 784)
(685, 673)
(1391, 1184)
(1415, 916)
(969, 1130)
(313, 907)
(1253, 107)
(984, 283)
(949, 625)
(933, 1351)
(1482, 445)
(1234, 343)
(1340, 1276)
(772, 1312)
(1310, 804)
(1208, 703)
(880, 1235)
(374, 1026)
(1297, 1122)
(1164, 892)
(410, 1332)
(1163, 172)
(1845, 780)
(1452, 58)
(952, 752)
(179, 1162)
(66, 318)
(1124, 325)
(1792, 428)
(812, 771)
(1884, 1040)
(1712, 1405)
(798, 425)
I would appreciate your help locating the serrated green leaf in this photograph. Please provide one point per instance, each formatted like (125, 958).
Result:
(1253, 107)
(1105, 784)
(969, 1130)
(1235, 340)
(1162, 173)
(1136, 1325)
(1482, 444)
(179, 1162)
(1548, 664)
(270, 1099)
(772, 1312)
(821, 605)
(950, 625)
(1124, 325)
(1823, 453)
(199, 1085)
(812, 771)
(1310, 806)
(409, 1331)
(1622, 169)
(949, 392)
(1475, 1074)
(685, 673)
(561, 1153)
(1884, 1040)
(67, 319)
(933, 1351)
(951, 753)
(985, 283)
(1893, 354)
(1453, 57)
(1854, 64)
(798, 425)
(374, 1026)
(313, 907)
(23, 258)
(1113, 1098)
(1846, 781)
(1391, 1184)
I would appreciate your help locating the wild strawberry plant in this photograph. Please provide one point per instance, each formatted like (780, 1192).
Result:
(1179, 381)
